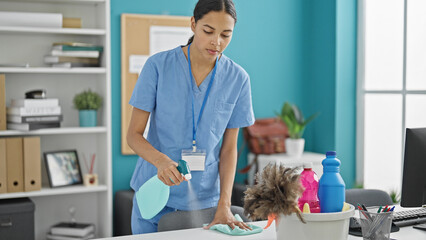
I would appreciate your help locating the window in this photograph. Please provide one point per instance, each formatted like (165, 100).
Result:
(391, 86)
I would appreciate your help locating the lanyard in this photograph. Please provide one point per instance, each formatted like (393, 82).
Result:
(195, 126)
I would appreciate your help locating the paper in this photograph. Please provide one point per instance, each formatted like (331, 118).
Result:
(162, 38)
(136, 63)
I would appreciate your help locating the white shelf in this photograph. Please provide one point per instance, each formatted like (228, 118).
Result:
(57, 1)
(94, 204)
(55, 131)
(88, 70)
(77, 31)
(55, 191)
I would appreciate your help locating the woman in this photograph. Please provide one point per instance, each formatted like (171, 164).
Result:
(195, 97)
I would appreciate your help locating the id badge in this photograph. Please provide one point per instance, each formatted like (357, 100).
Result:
(196, 160)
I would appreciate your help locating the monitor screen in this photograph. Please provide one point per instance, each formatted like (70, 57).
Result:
(414, 173)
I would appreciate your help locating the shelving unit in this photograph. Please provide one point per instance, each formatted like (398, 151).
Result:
(88, 70)
(54, 131)
(28, 45)
(78, 31)
(54, 192)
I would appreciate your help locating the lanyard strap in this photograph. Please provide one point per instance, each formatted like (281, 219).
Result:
(195, 125)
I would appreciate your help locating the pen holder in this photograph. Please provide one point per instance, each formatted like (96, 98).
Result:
(90, 179)
(375, 226)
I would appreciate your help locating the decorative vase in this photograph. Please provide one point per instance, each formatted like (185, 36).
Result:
(88, 118)
(90, 179)
(295, 147)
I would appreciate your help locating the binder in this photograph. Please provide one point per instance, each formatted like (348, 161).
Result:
(32, 163)
(71, 22)
(3, 182)
(2, 102)
(15, 165)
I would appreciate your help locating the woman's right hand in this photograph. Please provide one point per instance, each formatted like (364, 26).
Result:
(167, 172)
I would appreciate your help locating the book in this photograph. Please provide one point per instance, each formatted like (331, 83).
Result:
(71, 22)
(61, 237)
(87, 54)
(32, 126)
(47, 102)
(72, 229)
(33, 111)
(2, 102)
(31, 19)
(15, 65)
(73, 65)
(34, 119)
(75, 44)
(57, 59)
(77, 48)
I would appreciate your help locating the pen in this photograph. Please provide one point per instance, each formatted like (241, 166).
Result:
(380, 208)
(392, 208)
(364, 212)
(384, 209)
(363, 207)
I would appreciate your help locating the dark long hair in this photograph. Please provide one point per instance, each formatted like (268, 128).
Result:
(205, 6)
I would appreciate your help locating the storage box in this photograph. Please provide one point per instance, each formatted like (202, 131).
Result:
(319, 226)
(17, 219)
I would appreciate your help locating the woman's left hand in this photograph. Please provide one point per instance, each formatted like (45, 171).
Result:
(224, 216)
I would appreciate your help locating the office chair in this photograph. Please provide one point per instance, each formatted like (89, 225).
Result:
(193, 219)
(368, 197)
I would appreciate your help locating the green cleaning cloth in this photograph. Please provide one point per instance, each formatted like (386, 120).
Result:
(224, 228)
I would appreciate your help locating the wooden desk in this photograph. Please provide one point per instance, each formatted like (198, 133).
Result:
(405, 233)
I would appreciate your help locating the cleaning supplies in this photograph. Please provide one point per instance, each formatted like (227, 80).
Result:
(331, 190)
(153, 195)
(346, 207)
(306, 208)
(309, 180)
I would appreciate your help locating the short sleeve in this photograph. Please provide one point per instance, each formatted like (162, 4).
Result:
(242, 115)
(144, 93)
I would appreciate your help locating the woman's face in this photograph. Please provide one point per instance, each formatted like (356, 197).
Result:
(212, 33)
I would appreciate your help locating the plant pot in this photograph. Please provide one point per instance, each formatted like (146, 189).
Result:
(295, 147)
(88, 118)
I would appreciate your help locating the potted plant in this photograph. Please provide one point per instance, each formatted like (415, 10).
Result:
(87, 102)
(292, 116)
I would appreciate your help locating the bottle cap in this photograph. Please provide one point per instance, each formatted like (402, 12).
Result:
(308, 165)
(331, 153)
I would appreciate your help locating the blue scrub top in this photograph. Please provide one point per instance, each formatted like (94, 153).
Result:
(164, 89)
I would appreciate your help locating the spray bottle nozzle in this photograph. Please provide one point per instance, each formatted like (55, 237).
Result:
(183, 168)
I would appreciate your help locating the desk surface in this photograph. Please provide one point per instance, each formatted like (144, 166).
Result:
(268, 234)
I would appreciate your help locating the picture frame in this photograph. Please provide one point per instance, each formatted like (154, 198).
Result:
(63, 168)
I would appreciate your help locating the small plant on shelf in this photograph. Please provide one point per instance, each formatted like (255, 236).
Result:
(87, 102)
(292, 116)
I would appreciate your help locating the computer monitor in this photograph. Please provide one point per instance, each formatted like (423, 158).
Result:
(414, 173)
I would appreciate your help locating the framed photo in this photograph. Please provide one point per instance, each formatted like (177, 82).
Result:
(63, 168)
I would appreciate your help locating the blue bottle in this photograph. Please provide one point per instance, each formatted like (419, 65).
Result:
(331, 191)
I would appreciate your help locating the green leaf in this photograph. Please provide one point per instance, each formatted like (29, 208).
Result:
(312, 117)
(297, 114)
(287, 110)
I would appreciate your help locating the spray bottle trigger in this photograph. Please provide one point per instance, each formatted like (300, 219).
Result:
(183, 168)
